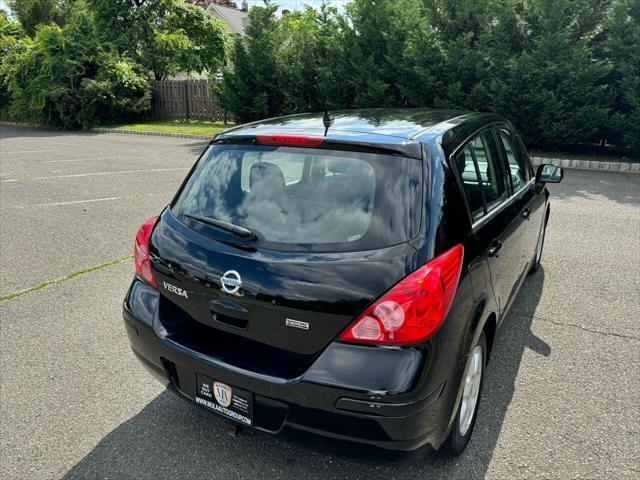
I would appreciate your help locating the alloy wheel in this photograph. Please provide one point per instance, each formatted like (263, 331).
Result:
(472, 381)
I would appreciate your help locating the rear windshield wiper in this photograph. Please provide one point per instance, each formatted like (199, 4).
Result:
(229, 227)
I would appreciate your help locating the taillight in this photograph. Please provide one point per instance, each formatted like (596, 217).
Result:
(141, 252)
(413, 309)
(290, 140)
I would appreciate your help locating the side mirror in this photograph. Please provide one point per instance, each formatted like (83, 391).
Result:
(548, 173)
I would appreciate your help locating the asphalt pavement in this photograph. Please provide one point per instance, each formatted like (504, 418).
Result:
(561, 398)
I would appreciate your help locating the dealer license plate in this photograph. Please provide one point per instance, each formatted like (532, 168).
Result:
(224, 399)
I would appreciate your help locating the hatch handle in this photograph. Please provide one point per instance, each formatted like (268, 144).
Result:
(231, 309)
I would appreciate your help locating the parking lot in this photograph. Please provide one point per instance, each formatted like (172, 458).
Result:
(561, 399)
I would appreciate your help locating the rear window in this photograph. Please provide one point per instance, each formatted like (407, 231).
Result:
(305, 199)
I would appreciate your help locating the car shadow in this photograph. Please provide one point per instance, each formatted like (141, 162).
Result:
(171, 438)
(7, 132)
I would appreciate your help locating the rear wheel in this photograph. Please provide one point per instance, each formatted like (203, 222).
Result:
(472, 380)
(538, 258)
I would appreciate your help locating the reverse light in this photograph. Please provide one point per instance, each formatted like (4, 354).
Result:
(414, 308)
(290, 140)
(141, 252)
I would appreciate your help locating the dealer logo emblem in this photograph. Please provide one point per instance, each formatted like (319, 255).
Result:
(222, 393)
(231, 282)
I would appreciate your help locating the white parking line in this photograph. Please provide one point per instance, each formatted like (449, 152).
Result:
(92, 200)
(27, 151)
(78, 159)
(39, 161)
(11, 180)
(118, 172)
(76, 202)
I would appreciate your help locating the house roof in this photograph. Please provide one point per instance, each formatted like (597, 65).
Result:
(234, 17)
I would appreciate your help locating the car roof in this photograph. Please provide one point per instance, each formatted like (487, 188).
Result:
(402, 123)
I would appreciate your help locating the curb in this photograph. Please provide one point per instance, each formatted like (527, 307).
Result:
(593, 165)
(111, 130)
(152, 134)
(25, 125)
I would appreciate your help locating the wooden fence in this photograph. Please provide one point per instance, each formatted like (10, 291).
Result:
(185, 100)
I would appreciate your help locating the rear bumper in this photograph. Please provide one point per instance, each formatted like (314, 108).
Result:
(330, 399)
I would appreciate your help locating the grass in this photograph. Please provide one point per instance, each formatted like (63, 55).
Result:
(48, 283)
(195, 127)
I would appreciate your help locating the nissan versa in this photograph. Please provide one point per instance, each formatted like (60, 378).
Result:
(345, 276)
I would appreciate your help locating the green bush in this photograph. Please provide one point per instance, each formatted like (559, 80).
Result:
(65, 78)
(12, 39)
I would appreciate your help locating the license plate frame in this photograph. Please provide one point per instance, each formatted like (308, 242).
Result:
(226, 400)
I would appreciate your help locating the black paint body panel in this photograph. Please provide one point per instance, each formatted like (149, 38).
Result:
(399, 397)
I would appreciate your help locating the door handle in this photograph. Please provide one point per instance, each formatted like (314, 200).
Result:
(495, 247)
(526, 213)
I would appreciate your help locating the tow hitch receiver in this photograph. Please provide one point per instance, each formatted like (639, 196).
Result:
(233, 430)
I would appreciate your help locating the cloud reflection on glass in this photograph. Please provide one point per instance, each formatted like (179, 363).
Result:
(330, 200)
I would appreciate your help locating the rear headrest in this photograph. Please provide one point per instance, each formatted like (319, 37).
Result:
(267, 179)
(338, 165)
(361, 179)
(318, 169)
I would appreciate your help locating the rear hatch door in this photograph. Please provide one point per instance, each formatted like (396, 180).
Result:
(329, 234)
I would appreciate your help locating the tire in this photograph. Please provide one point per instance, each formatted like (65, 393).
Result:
(538, 255)
(462, 427)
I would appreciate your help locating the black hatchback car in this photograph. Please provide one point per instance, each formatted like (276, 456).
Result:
(347, 280)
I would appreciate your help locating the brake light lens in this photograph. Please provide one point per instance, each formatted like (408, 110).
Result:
(141, 252)
(290, 140)
(413, 309)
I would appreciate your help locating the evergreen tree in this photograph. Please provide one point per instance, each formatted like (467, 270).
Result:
(297, 61)
(250, 89)
(621, 46)
(554, 90)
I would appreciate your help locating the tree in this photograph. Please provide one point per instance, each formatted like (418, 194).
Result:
(250, 87)
(333, 57)
(31, 13)
(296, 60)
(460, 26)
(164, 36)
(566, 72)
(621, 45)
(65, 78)
(553, 89)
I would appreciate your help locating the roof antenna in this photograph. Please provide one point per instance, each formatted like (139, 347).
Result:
(327, 120)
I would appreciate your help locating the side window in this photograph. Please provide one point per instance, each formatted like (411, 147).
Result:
(516, 160)
(492, 179)
(472, 186)
(485, 184)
